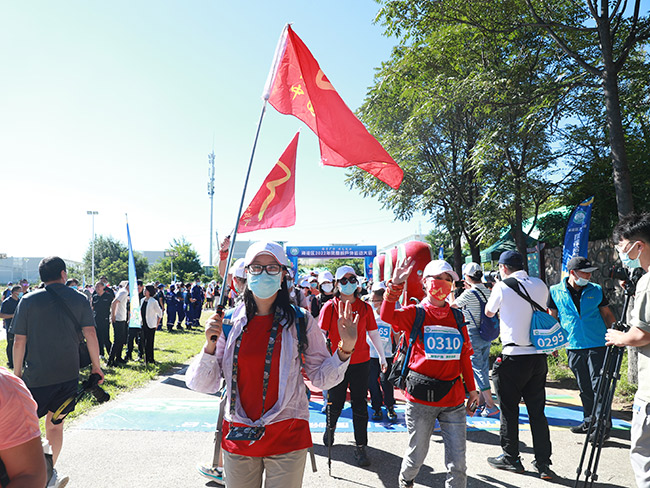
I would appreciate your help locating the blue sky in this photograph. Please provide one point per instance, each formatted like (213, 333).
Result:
(114, 107)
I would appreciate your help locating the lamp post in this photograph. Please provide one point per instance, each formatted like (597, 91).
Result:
(92, 213)
(172, 255)
(211, 195)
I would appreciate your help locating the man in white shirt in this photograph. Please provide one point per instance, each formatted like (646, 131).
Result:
(118, 317)
(521, 373)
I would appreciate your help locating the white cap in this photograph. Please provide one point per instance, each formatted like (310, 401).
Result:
(343, 270)
(312, 278)
(437, 267)
(238, 269)
(325, 276)
(470, 269)
(378, 285)
(304, 283)
(269, 247)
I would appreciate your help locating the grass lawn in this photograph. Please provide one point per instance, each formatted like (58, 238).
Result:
(170, 350)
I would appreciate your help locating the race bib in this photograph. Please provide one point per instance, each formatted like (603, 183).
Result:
(442, 343)
(549, 340)
(384, 331)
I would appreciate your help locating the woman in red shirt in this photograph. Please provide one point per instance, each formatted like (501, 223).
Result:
(440, 356)
(356, 376)
(266, 421)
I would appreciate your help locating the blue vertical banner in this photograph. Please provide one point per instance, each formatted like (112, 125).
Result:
(441, 252)
(576, 237)
(135, 321)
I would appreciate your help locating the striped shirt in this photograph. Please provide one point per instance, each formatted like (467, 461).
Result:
(471, 307)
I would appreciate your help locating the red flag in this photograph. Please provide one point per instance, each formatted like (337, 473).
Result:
(300, 88)
(274, 205)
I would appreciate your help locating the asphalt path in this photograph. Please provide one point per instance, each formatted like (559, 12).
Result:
(159, 459)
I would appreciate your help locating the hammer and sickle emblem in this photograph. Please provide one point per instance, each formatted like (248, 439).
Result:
(322, 82)
(272, 185)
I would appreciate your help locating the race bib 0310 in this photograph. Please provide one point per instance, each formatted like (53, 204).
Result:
(442, 343)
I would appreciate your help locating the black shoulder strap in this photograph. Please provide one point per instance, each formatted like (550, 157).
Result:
(515, 286)
(417, 324)
(61, 301)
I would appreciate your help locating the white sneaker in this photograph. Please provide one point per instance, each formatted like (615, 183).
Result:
(57, 481)
(212, 473)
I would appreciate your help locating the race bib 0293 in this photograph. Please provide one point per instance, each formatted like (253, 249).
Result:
(442, 343)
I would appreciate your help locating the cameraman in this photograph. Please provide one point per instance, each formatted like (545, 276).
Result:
(633, 236)
(22, 463)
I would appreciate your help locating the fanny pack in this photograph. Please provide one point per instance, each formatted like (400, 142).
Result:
(427, 389)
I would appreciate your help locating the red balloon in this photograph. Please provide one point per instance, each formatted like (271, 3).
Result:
(420, 252)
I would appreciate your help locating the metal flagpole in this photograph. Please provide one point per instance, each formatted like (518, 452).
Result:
(279, 52)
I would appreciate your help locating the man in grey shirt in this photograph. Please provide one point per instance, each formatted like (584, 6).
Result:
(47, 339)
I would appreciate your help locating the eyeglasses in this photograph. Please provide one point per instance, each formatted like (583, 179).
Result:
(271, 269)
(627, 246)
(351, 279)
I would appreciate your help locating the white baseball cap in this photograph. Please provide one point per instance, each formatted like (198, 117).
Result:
(325, 276)
(266, 247)
(378, 285)
(238, 269)
(470, 269)
(437, 267)
(343, 270)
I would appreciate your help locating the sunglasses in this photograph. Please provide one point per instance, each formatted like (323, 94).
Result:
(352, 279)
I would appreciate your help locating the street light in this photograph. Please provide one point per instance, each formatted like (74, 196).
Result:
(172, 255)
(92, 213)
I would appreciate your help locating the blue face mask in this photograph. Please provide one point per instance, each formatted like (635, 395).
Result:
(264, 285)
(20, 295)
(627, 262)
(348, 288)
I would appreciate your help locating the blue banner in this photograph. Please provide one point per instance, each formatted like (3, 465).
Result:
(441, 252)
(576, 237)
(135, 322)
(327, 252)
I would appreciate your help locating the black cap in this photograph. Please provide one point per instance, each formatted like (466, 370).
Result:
(512, 258)
(579, 263)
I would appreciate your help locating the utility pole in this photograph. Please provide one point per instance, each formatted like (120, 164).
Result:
(211, 195)
(92, 213)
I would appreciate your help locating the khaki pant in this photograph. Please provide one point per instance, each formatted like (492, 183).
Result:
(282, 470)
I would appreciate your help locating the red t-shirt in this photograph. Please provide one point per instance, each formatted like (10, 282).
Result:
(279, 437)
(328, 321)
(402, 320)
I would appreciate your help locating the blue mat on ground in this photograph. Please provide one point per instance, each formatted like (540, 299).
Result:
(201, 416)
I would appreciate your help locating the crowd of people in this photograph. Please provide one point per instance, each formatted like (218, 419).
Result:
(343, 333)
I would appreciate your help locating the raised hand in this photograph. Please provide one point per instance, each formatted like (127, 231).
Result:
(403, 270)
(347, 323)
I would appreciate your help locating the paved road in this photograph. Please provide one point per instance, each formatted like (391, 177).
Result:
(156, 459)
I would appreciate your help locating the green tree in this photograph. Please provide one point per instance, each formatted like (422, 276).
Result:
(112, 260)
(187, 265)
(596, 36)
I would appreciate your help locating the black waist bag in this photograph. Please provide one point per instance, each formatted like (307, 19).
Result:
(427, 389)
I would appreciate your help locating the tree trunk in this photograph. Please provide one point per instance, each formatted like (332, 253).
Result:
(621, 171)
(517, 232)
(458, 255)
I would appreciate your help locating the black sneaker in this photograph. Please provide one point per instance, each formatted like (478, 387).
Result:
(544, 470)
(501, 462)
(328, 440)
(392, 416)
(361, 457)
(405, 484)
(592, 436)
(583, 428)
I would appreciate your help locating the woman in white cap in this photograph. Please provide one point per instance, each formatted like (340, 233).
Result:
(266, 424)
(440, 354)
(470, 302)
(325, 292)
(356, 377)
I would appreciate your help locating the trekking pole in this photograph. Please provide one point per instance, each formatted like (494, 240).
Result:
(329, 437)
(600, 413)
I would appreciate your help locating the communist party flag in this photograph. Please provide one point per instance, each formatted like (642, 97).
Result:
(300, 88)
(274, 205)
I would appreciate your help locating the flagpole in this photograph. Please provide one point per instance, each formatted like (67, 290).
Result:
(279, 52)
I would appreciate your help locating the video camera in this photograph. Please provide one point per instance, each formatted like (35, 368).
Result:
(88, 386)
(629, 280)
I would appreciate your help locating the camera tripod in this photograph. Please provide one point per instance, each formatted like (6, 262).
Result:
(600, 414)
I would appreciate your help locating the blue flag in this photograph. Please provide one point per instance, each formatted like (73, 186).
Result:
(135, 322)
(441, 252)
(577, 233)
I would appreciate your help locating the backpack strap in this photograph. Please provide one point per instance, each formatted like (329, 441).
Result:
(301, 329)
(515, 286)
(460, 321)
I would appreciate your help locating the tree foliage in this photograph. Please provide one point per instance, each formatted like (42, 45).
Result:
(187, 265)
(112, 260)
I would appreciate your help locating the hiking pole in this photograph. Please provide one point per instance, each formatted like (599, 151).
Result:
(329, 436)
(600, 413)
